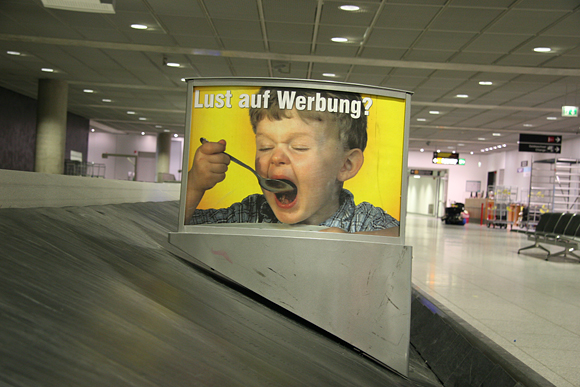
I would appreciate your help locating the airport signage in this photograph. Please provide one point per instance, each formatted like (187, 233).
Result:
(540, 143)
(569, 111)
(447, 158)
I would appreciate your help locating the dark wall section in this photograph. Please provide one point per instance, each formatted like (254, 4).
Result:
(77, 135)
(18, 132)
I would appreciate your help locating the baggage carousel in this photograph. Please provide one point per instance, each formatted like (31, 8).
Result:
(97, 296)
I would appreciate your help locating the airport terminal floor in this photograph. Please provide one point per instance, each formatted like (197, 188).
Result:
(529, 306)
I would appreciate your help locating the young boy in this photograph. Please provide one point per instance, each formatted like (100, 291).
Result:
(317, 151)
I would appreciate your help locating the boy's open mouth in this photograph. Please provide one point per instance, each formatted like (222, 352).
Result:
(287, 197)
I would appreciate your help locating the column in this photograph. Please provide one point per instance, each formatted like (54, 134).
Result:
(51, 126)
(163, 155)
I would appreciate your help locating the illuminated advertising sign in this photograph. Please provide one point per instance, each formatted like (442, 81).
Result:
(335, 146)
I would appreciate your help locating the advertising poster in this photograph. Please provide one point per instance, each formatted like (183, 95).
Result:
(339, 154)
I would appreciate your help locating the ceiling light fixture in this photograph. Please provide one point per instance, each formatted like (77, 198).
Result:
(481, 139)
(542, 49)
(462, 96)
(13, 53)
(142, 119)
(496, 134)
(528, 125)
(504, 145)
(176, 135)
(349, 8)
(433, 112)
(130, 112)
(438, 150)
(164, 130)
(139, 26)
(329, 75)
(93, 130)
(88, 91)
(106, 100)
(142, 133)
(421, 119)
(471, 152)
(47, 70)
(339, 40)
(421, 150)
(173, 64)
(485, 83)
(552, 118)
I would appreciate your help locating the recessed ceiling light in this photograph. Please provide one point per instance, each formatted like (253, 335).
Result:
(173, 64)
(339, 40)
(88, 91)
(47, 70)
(438, 150)
(159, 126)
(142, 133)
(350, 8)
(421, 150)
(176, 135)
(421, 119)
(471, 152)
(486, 149)
(485, 83)
(142, 119)
(462, 96)
(130, 112)
(139, 26)
(13, 53)
(433, 112)
(552, 118)
(495, 147)
(481, 139)
(528, 125)
(496, 134)
(450, 147)
(106, 100)
(483, 150)
(183, 80)
(164, 130)
(329, 75)
(93, 130)
(460, 144)
(542, 49)
(504, 145)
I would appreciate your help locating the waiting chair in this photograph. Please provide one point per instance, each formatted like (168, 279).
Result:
(545, 226)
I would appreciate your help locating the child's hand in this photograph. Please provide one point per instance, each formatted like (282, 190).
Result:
(209, 166)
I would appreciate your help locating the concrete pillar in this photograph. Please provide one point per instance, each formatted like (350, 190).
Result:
(163, 155)
(51, 126)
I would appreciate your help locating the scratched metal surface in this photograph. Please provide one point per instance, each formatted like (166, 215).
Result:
(95, 296)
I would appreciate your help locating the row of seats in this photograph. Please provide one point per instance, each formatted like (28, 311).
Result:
(556, 228)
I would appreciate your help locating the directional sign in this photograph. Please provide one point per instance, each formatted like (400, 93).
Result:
(540, 143)
(569, 111)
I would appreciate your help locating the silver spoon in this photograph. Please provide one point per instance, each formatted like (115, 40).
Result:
(272, 185)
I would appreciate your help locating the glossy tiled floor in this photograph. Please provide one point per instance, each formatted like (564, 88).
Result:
(526, 305)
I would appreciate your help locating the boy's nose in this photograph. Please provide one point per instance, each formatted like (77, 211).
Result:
(279, 157)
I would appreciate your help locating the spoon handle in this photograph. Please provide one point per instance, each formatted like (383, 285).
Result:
(232, 158)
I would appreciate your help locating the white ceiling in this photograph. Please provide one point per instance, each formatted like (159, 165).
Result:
(434, 48)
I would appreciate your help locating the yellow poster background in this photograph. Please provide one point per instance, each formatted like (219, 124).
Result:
(378, 182)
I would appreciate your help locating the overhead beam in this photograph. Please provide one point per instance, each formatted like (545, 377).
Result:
(293, 58)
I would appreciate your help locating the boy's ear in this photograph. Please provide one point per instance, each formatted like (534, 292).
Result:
(352, 163)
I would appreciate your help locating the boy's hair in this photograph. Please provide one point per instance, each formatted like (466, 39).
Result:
(352, 132)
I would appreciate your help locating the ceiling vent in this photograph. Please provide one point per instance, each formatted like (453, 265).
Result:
(95, 6)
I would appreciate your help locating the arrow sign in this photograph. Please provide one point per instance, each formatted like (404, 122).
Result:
(539, 143)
